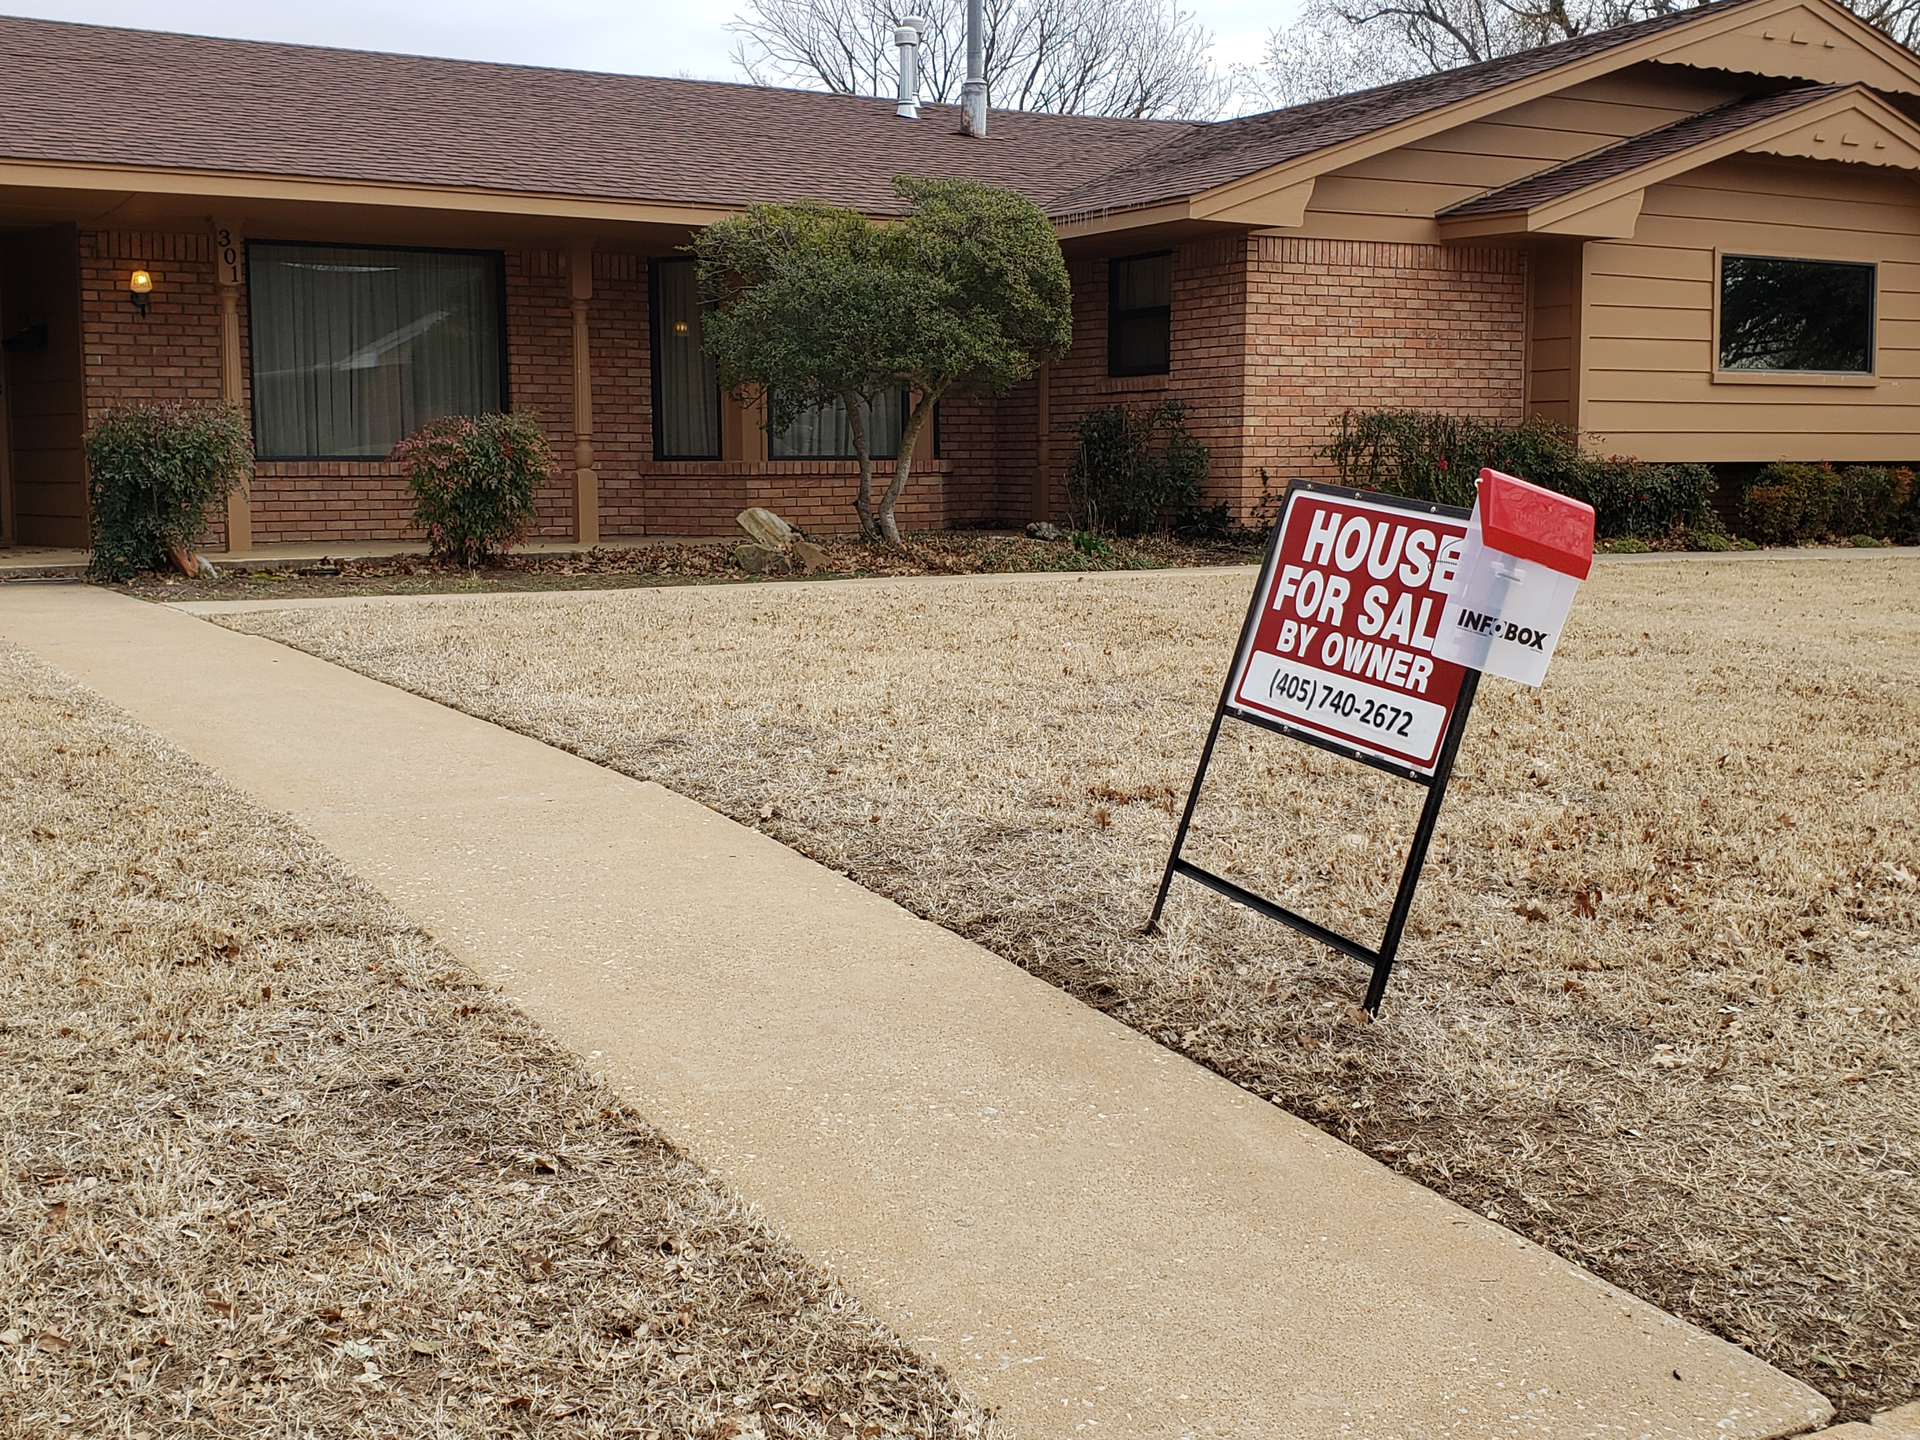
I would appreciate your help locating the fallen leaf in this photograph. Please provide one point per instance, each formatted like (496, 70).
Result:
(1573, 987)
(423, 1347)
(1530, 910)
(50, 1342)
(1586, 904)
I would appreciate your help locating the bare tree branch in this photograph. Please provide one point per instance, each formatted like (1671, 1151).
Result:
(1137, 58)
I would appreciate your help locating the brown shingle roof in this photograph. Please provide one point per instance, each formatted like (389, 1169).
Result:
(1639, 151)
(86, 93)
(1208, 155)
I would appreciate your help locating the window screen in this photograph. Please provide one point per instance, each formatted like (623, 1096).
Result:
(686, 387)
(1808, 315)
(825, 434)
(355, 349)
(1140, 315)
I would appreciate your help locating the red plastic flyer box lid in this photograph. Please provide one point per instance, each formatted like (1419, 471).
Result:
(1534, 523)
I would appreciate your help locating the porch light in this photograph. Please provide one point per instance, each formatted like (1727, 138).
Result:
(679, 327)
(139, 286)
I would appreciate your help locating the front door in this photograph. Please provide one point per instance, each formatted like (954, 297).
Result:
(43, 387)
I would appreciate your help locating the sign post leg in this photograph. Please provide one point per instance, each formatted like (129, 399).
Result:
(1186, 817)
(1213, 735)
(1417, 853)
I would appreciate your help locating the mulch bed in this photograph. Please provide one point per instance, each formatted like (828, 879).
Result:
(947, 552)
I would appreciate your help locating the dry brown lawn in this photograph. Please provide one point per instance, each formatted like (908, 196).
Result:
(1658, 1006)
(273, 1165)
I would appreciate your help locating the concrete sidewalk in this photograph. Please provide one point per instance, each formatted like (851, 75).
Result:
(1090, 1232)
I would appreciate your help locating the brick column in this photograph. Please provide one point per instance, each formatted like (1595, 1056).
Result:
(1043, 443)
(586, 484)
(227, 268)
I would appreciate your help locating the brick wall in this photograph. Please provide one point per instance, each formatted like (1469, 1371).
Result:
(1272, 337)
(170, 353)
(1206, 364)
(1344, 324)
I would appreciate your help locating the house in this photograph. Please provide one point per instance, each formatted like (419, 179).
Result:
(1696, 238)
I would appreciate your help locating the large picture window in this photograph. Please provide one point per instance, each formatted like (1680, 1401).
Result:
(1140, 315)
(826, 433)
(686, 386)
(1796, 315)
(354, 349)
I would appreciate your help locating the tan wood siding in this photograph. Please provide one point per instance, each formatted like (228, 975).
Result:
(1553, 355)
(1394, 196)
(1647, 386)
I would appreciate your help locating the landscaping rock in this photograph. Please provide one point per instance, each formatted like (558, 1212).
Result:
(811, 557)
(762, 560)
(768, 530)
(1042, 530)
(194, 567)
(1902, 1423)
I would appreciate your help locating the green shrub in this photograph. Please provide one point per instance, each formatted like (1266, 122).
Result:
(473, 479)
(154, 475)
(1134, 468)
(1436, 456)
(1716, 540)
(1089, 543)
(1792, 502)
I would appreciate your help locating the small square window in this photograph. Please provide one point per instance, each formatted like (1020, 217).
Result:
(1807, 316)
(1140, 315)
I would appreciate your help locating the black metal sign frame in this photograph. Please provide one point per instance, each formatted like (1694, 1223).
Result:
(1379, 960)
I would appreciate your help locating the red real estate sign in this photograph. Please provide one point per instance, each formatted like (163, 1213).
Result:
(1341, 651)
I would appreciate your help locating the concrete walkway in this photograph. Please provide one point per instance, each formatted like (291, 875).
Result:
(1090, 1232)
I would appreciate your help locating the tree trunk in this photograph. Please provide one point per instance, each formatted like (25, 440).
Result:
(863, 497)
(903, 465)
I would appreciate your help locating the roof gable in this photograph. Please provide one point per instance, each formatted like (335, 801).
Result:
(1223, 166)
(1600, 195)
(1804, 40)
(1862, 133)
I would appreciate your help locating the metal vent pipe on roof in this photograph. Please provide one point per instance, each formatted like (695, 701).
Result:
(907, 35)
(973, 95)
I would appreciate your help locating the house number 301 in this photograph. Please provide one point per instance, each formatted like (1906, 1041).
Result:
(229, 248)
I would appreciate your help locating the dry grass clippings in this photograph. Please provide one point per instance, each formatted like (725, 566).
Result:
(1657, 1009)
(272, 1164)
(946, 552)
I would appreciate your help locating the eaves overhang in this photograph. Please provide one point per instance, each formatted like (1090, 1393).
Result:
(215, 185)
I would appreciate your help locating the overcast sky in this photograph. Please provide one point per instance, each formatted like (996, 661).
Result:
(645, 37)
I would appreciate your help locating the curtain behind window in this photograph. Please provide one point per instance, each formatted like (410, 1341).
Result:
(688, 385)
(826, 433)
(355, 349)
